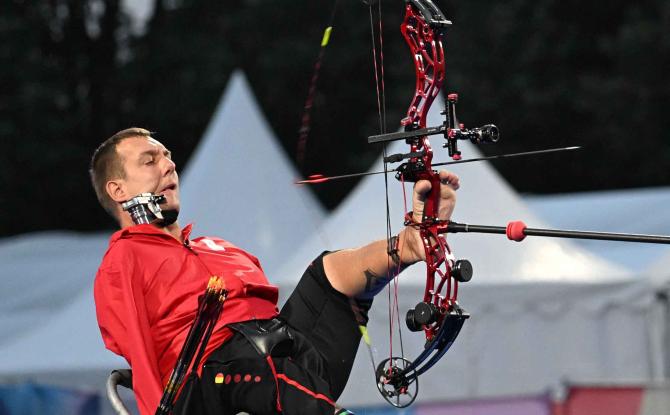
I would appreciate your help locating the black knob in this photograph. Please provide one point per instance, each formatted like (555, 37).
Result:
(411, 323)
(421, 315)
(462, 270)
(486, 134)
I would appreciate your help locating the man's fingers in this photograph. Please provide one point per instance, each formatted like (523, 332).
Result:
(447, 177)
(421, 189)
(449, 182)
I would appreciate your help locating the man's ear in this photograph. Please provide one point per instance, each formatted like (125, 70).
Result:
(116, 190)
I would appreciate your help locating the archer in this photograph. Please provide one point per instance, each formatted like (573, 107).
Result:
(258, 359)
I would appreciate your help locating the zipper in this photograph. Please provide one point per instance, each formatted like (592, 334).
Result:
(188, 246)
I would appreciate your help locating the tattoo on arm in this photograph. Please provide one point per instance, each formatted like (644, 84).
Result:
(375, 283)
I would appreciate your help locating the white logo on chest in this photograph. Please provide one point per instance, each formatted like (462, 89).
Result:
(212, 245)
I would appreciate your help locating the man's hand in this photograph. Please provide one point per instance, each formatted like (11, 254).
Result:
(410, 245)
(363, 272)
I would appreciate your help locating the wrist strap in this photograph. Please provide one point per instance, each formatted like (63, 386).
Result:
(393, 249)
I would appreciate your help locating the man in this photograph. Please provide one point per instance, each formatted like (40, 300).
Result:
(257, 360)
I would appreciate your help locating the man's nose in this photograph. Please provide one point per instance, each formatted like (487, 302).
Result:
(169, 166)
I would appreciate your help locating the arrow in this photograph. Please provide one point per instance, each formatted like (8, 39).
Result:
(319, 178)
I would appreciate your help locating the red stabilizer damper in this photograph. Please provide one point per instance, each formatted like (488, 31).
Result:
(515, 231)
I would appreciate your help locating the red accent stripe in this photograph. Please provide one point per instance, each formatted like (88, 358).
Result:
(305, 389)
(274, 374)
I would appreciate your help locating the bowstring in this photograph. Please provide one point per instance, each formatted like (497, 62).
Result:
(382, 129)
(378, 61)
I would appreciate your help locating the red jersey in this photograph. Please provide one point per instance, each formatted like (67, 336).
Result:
(146, 297)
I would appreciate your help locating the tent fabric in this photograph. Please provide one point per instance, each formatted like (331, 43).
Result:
(238, 183)
(540, 405)
(42, 272)
(659, 270)
(74, 345)
(526, 339)
(29, 398)
(640, 211)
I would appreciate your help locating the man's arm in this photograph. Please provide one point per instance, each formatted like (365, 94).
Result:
(364, 271)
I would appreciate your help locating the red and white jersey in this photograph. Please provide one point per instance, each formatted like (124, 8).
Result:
(146, 296)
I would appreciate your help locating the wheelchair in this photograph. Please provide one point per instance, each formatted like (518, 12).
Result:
(122, 377)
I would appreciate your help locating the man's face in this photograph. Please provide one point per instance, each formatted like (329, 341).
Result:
(149, 168)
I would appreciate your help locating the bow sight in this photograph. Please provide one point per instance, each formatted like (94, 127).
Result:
(451, 128)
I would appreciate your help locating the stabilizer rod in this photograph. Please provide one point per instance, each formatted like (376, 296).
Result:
(517, 231)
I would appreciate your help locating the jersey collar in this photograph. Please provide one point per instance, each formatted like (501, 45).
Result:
(146, 229)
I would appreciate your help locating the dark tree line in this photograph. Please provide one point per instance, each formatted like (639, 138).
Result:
(547, 72)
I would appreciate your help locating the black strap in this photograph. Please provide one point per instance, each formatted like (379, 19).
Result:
(269, 337)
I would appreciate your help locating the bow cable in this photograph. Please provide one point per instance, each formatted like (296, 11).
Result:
(378, 63)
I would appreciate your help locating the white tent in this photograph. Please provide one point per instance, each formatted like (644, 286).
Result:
(660, 268)
(238, 184)
(530, 339)
(67, 349)
(659, 275)
(640, 211)
(50, 333)
(42, 272)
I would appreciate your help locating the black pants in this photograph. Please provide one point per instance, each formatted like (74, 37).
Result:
(305, 380)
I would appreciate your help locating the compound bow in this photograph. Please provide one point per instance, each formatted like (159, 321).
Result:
(439, 315)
